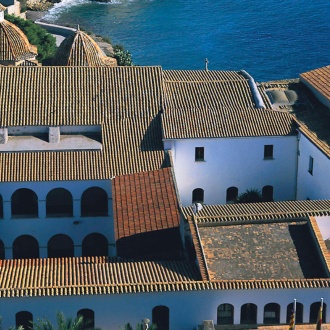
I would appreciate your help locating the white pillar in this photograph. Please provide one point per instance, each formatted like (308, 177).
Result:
(42, 209)
(76, 208)
(7, 210)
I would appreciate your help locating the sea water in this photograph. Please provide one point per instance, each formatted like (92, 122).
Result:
(271, 39)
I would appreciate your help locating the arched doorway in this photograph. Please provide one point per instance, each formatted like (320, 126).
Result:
(272, 313)
(24, 319)
(299, 313)
(225, 314)
(60, 246)
(1, 207)
(198, 195)
(25, 247)
(161, 317)
(24, 204)
(267, 194)
(88, 319)
(2, 250)
(249, 314)
(59, 203)
(314, 312)
(94, 202)
(231, 195)
(95, 245)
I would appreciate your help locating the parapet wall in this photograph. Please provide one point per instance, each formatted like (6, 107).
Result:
(56, 29)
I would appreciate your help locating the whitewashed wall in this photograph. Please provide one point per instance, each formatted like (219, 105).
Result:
(237, 162)
(187, 309)
(316, 186)
(43, 228)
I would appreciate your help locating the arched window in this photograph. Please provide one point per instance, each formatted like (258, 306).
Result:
(24, 203)
(88, 319)
(24, 319)
(95, 245)
(267, 193)
(232, 194)
(60, 246)
(198, 195)
(225, 314)
(299, 313)
(249, 314)
(25, 247)
(2, 250)
(314, 312)
(1, 207)
(161, 317)
(59, 203)
(272, 313)
(94, 202)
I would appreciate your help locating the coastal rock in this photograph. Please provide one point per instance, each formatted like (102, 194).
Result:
(39, 5)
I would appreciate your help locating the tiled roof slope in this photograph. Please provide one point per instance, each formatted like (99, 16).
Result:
(203, 104)
(77, 95)
(14, 45)
(312, 117)
(92, 275)
(144, 202)
(274, 250)
(259, 211)
(79, 49)
(97, 275)
(319, 79)
(129, 146)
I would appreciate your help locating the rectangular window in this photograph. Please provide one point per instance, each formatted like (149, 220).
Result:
(199, 154)
(311, 165)
(268, 151)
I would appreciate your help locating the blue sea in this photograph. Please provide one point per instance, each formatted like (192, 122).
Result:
(271, 39)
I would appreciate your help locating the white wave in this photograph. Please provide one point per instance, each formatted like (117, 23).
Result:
(60, 7)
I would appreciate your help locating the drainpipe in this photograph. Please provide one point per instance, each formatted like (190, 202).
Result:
(254, 89)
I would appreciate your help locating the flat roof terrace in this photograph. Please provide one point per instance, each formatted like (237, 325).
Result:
(262, 251)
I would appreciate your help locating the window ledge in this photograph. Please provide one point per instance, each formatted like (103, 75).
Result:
(200, 161)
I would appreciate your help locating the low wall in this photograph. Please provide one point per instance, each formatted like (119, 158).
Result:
(56, 29)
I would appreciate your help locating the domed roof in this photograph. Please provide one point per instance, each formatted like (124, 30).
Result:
(14, 45)
(80, 49)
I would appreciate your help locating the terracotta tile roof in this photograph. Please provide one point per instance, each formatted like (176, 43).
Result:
(124, 101)
(144, 202)
(77, 95)
(97, 275)
(14, 44)
(201, 104)
(80, 49)
(312, 118)
(272, 250)
(92, 275)
(129, 146)
(319, 79)
(259, 211)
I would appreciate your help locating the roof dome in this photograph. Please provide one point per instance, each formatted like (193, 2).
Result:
(80, 49)
(14, 45)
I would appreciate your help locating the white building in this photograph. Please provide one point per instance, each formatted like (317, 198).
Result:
(99, 167)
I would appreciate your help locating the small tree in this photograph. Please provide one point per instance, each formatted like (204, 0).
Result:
(45, 42)
(250, 196)
(63, 323)
(123, 57)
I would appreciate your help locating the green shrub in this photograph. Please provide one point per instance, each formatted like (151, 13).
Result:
(250, 196)
(123, 57)
(45, 42)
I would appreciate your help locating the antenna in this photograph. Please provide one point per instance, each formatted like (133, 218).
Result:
(206, 63)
